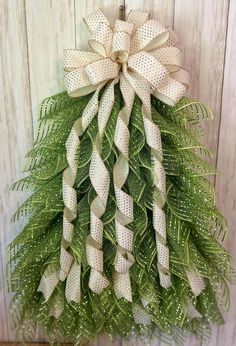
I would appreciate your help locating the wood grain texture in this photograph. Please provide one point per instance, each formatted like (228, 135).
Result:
(50, 29)
(226, 164)
(201, 26)
(160, 9)
(33, 36)
(16, 132)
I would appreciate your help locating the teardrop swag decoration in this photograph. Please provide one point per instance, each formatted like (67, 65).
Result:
(123, 230)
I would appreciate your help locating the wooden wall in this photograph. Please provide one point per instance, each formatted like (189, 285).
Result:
(33, 36)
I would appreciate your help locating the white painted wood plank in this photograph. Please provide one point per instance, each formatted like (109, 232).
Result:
(201, 26)
(16, 132)
(50, 29)
(226, 163)
(160, 9)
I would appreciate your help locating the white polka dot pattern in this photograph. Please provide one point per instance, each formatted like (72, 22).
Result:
(97, 281)
(122, 286)
(70, 202)
(124, 215)
(149, 36)
(89, 112)
(122, 26)
(101, 41)
(68, 230)
(100, 182)
(148, 67)
(102, 70)
(173, 38)
(153, 138)
(69, 197)
(141, 87)
(78, 83)
(127, 45)
(94, 19)
(140, 315)
(128, 93)
(73, 292)
(137, 18)
(105, 106)
(121, 40)
(196, 282)
(170, 57)
(48, 281)
(182, 76)
(192, 312)
(66, 260)
(124, 203)
(121, 45)
(124, 237)
(74, 59)
(142, 54)
(170, 90)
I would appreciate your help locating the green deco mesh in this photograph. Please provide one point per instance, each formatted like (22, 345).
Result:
(194, 228)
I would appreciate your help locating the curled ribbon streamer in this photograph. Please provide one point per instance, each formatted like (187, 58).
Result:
(100, 182)
(69, 268)
(48, 281)
(153, 137)
(143, 56)
(196, 282)
(140, 314)
(124, 215)
(197, 285)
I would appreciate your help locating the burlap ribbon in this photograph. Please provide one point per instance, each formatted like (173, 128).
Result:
(144, 57)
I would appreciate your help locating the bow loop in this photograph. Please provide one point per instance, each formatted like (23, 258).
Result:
(149, 68)
(170, 57)
(94, 19)
(74, 59)
(140, 51)
(101, 41)
(102, 70)
(137, 18)
(121, 40)
(78, 83)
(149, 36)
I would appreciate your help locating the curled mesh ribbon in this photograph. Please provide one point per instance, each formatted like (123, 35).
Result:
(144, 57)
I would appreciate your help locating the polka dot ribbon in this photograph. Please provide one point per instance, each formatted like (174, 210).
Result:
(145, 58)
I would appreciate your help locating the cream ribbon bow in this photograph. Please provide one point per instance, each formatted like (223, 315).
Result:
(140, 49)
(142, 55)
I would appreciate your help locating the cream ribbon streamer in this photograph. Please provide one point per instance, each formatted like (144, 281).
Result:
(197, 284)
(69, 268)
(143, 56)
(153, 138)
(124, 214)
